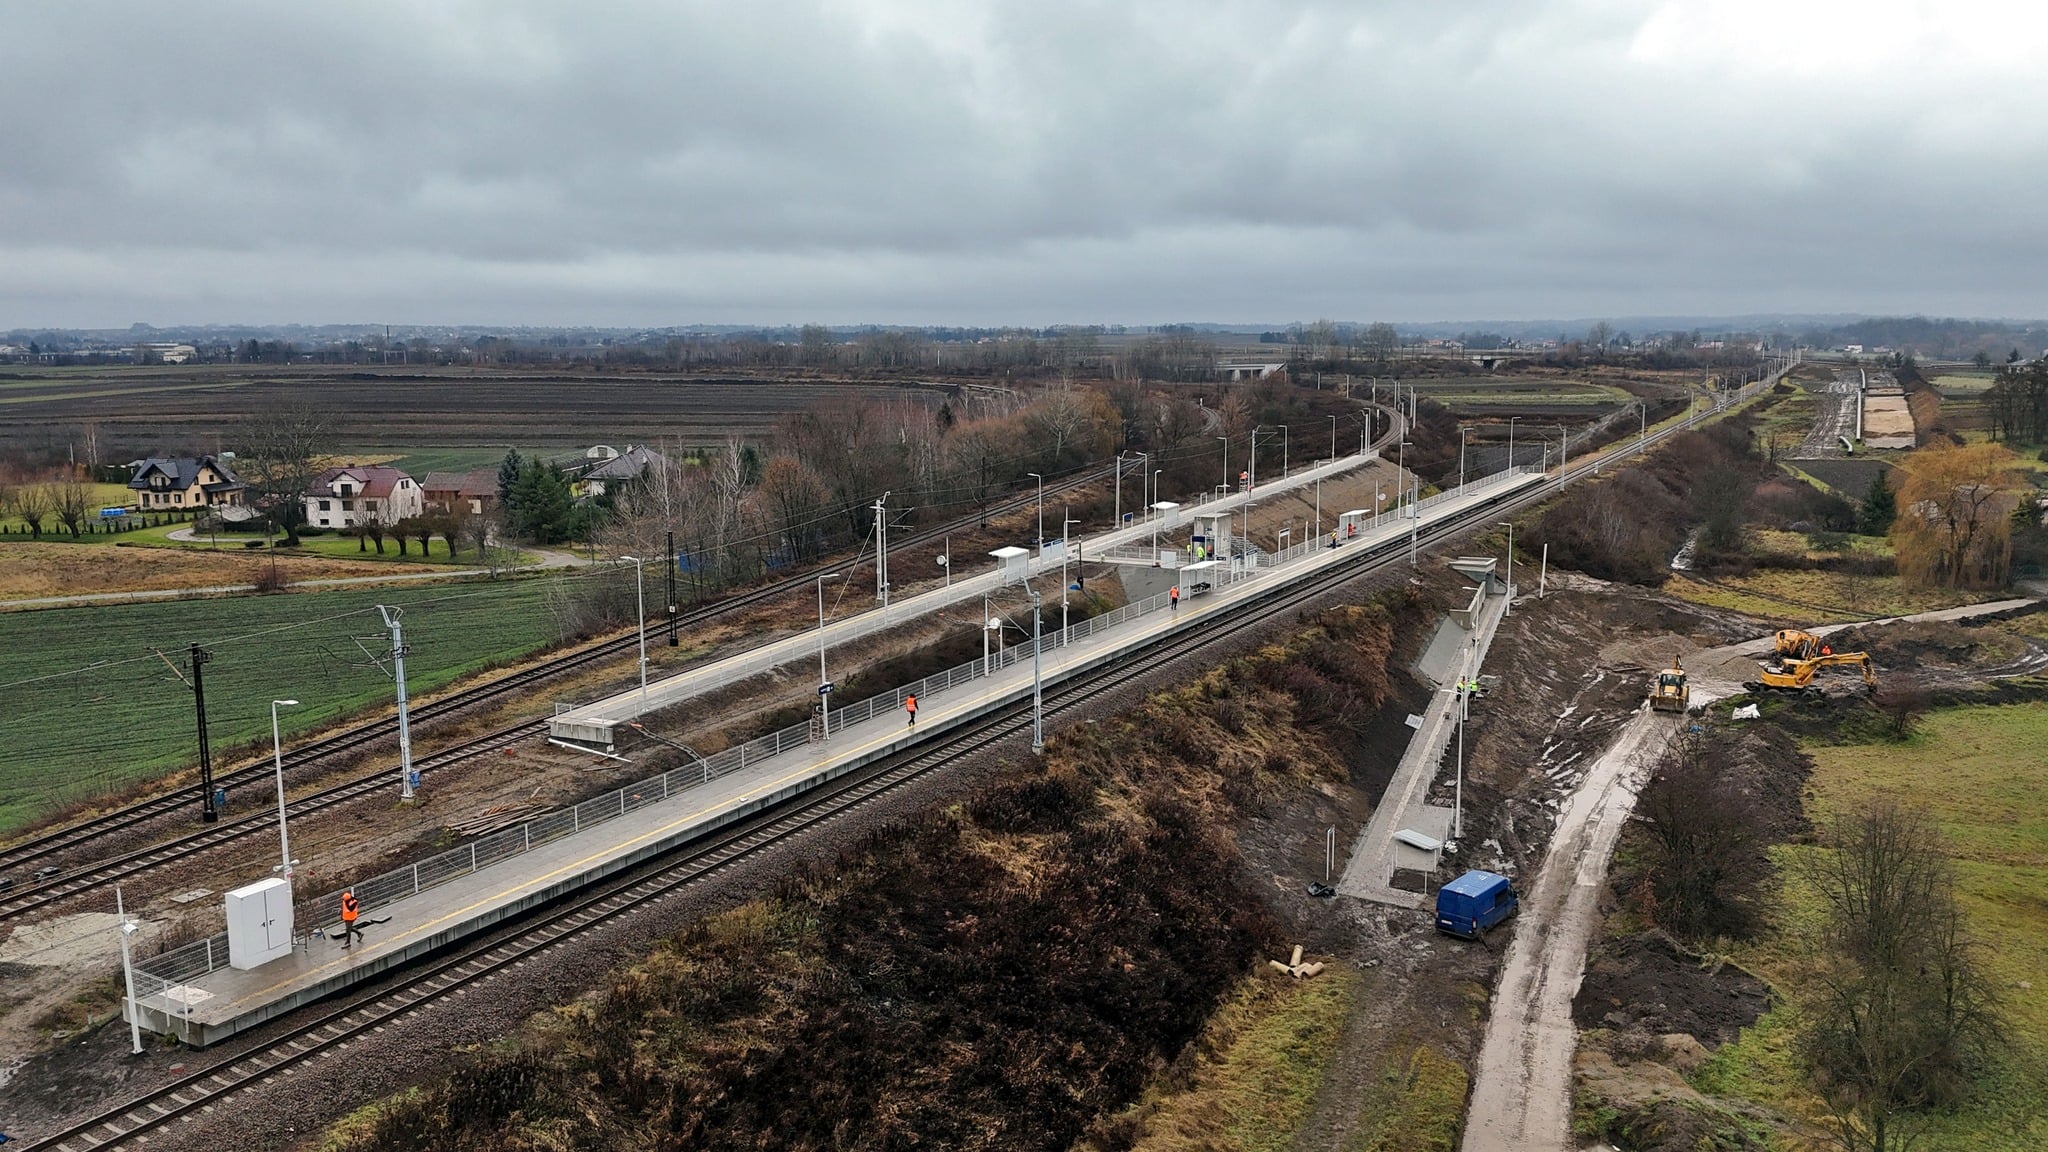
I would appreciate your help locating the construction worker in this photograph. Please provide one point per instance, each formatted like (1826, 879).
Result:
(351, 911)
(1351, 529)
(910, 706)
(1827, 649)
(1173, 599)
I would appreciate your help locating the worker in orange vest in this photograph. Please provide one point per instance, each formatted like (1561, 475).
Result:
(910, 706)
(1173, 599)
(351, 911)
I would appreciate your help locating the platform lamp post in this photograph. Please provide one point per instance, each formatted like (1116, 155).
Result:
(824, 682)
(1285, 439)
(1041, 508)
(640, 590)
(1226, 463)
(1511, 441)
(1064, 526)
(1333, 437)
(284, 842)
(1462, 430)
(1564, 449)
(1037, 676)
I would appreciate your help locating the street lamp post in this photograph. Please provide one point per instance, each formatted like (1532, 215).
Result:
(1226, 462)
(1511, 441)
(1285, 438)
(986, 625)
(824, 681)
(640, 597)
(1458, 789)
(1564, 449)
(1118, 510)
(1461, 458)
(1333, 437)
(284, 842)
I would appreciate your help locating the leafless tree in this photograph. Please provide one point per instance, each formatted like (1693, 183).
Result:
(1897, 1016)
(72, 499)
(1903, 699)
(283, 448)
(1706, 864)
(33, 502)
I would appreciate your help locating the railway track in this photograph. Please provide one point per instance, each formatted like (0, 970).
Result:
(326, 1032)
(32, 889)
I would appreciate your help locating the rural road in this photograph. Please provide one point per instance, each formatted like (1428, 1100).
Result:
(1521, 1094)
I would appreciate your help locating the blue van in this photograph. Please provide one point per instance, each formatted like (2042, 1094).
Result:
(1474, 902)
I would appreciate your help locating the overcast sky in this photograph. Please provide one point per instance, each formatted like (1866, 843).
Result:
(741, 161)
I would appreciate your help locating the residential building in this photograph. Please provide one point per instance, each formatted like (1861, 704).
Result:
(473, 493)
(355, 494)
(185, 482)
(623, 468)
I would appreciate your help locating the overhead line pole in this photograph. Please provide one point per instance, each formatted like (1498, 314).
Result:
(209, 812)
(398, 650)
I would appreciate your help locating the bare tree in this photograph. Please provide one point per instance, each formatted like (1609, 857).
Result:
(1706, 864)
(32, 502)
(72, 499)
(1897, 1017)
(283, 446)
(1903, 699)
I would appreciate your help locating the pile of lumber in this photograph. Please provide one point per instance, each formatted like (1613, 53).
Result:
(496, 817)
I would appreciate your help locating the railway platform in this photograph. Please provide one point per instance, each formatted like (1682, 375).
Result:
(596, 725)
(194, 995)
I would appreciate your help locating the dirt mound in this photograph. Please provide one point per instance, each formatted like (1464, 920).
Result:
(1767, 765)
(1649, 983)
(1931, 644)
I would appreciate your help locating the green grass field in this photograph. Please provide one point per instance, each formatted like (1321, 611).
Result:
(417, 462)
(1979, 771)
(90, 710)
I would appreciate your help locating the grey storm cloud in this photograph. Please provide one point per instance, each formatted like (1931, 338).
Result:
(952, 162)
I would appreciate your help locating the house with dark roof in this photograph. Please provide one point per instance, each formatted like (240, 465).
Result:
(359, 493)
(473, 493)
(185, 482)
(623, 468)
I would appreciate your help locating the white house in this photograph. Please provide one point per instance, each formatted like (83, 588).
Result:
(357, 494)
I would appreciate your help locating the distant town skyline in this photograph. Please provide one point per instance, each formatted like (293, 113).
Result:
(930, 163)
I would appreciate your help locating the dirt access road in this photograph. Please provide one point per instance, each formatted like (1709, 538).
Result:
(1521, 1093)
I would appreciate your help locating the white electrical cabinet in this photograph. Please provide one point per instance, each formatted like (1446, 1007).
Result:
(259, 923)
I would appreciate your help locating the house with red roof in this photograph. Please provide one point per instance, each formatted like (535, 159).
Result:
(358, 493)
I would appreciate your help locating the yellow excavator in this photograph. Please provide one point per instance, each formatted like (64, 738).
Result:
(1668, 693)
(1796, 675)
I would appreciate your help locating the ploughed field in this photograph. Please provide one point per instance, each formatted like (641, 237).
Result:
(196, 409)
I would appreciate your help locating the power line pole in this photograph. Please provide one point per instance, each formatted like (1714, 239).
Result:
(672, 640)
(882, 551)
(208, 811)
(398, 653)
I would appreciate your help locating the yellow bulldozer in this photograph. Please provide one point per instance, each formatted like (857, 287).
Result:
(1668, 692)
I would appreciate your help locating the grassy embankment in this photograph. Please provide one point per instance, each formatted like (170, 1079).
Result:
(1979, 771)
(90, 711)
(1012, 971)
